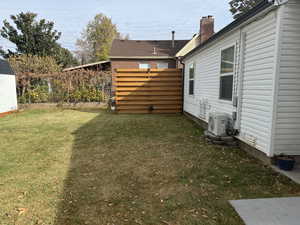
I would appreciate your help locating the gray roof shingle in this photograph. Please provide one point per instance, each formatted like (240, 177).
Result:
(136, 48)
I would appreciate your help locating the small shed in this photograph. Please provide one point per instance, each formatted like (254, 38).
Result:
(96, 66)
(8, 94)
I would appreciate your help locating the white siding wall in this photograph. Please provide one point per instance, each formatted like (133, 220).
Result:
(258, 81)
(8, 96)
(207, 80)
(287, 128)
(257, 93)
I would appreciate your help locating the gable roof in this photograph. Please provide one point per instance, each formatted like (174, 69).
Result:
(5, 68)
(261, 6)
(145, 49)
(193, 43)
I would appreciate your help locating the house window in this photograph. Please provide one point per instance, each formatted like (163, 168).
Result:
(162, 65)
(144, 66)
(191, 79)
(227, 70)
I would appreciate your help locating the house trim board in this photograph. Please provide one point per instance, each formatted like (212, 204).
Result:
(276, 79)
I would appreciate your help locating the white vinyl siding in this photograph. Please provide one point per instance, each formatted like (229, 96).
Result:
(8, 96)
(258, 80)
(287, 127)
(207, 79)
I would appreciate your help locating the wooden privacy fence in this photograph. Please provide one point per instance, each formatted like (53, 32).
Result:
(148, 90)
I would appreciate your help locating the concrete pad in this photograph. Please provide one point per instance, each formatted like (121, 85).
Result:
(272, 211)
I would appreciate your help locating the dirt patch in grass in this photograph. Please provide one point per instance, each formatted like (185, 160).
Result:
(66, 167)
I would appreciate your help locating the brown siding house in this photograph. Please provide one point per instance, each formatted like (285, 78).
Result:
(135, 54)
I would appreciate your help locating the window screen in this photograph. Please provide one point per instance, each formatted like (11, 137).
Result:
(144, 66)
(162, 65)
(227, 60)
(191, 79)
(191, 87)
(227, 71)
(226, 84)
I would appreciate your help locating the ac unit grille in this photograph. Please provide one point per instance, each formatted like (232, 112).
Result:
(217, 124)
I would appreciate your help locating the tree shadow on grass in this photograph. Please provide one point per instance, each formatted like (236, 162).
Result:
(153, 169)
(121, 169)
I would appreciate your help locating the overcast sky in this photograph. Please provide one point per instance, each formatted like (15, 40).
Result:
(145, 20)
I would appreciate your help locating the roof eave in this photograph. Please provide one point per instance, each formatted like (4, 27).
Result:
(234, 25)
(85, 65)
(142, 57)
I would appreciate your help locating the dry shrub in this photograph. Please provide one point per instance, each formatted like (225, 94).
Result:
(72, 86)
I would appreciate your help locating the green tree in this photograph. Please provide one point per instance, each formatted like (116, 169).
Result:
(30, 36)
(239, 7)
(35, 37)
(34, 64)
(64, 57)
(96, 39)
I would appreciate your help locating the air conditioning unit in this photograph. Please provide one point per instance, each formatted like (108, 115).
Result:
(217, 124)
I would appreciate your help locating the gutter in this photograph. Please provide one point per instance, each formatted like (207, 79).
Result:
(236, 23)
(240, 80)
(183, 83)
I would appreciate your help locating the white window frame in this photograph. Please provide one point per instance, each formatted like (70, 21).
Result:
(163, 63)
(191, 79)
(141, 66)
(227, 74)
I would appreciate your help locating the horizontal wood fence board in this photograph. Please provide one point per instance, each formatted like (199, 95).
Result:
(148, 84)
(148, 75)
(148, 102)
(148, 93)
(155, 107)
(159, 111)
(148, 70)
(148, 90)
(148, 79)
(146, 98)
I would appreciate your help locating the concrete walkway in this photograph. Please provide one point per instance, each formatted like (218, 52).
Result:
(273, 211)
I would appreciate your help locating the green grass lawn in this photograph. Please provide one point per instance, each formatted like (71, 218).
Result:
(71, 167)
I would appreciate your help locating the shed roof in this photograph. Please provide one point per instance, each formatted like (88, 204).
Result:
(86, 66)
(5, 68)
(150, 48)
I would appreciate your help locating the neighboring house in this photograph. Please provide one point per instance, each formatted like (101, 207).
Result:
(96, 66)
(8, 93)
(135, 54)
(251, 70)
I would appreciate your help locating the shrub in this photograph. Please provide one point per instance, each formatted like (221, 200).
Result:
(74, 87)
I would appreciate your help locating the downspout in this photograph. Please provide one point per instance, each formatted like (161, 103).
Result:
(240, 80)
(183, 83)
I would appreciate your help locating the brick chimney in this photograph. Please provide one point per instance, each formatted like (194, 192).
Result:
(207, 25)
